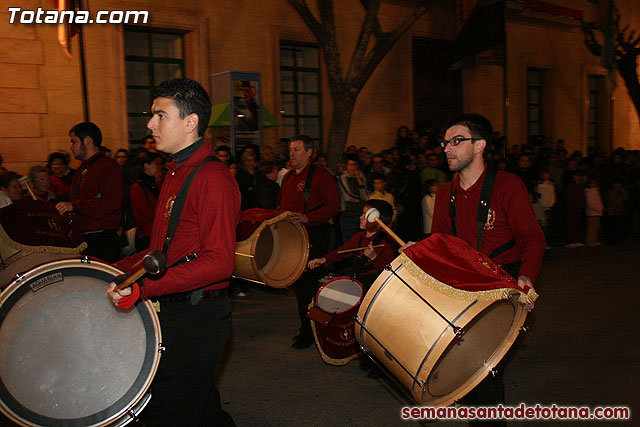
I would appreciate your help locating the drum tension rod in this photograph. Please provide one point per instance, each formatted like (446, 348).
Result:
(456, 329)
(386, 353)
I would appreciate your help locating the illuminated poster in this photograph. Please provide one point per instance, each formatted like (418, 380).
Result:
(245, 112)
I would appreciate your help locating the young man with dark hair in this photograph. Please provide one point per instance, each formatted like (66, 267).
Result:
(96, 194)
(195, 312)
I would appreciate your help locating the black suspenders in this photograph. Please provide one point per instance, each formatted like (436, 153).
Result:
(482, 213)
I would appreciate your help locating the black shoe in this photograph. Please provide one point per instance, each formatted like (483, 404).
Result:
(301, 342)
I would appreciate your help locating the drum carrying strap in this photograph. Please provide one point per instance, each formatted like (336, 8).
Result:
(176, 211)
(482, 214)
(307, 186)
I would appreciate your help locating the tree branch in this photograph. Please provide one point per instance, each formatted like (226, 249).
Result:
(366, 29)
(303, 10)
(329, 45)
(384, 44)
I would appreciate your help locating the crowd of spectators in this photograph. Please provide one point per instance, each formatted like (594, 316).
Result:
(579, 199)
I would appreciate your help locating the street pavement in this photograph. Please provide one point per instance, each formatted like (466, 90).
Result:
(582, 349)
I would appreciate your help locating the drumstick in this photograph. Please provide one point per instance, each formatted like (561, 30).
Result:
(154, 262)
(373, 215)
(346, 251)
(25, 181)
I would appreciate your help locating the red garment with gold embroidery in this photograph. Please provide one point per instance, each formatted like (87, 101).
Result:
(511, 217)
(453, 262)
(207, 226)
(324, 198)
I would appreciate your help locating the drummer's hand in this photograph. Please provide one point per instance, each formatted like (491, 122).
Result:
(123, 298)
(409, 243)
(370, 252)
(317, 262)
(523, 283)
(64, 207)
(298, 217)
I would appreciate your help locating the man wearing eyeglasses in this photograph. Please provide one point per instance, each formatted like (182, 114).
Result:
(510, 236)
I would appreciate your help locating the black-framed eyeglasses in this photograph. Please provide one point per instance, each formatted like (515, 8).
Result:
(457, 140)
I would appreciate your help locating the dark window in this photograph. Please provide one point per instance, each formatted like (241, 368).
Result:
(151, 57)
(534, 101)
(594, 85)
(300, 91)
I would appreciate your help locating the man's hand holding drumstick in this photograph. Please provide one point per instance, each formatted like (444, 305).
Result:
(124, 290)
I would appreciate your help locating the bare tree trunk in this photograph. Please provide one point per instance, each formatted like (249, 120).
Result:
(339, 129)
(345, 86)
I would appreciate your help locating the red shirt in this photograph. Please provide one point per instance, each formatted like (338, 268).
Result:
(207, 226)
(96, 195)
(143, 206)
(324, 198)
(512, 218)
(384, 255)
(61, 187)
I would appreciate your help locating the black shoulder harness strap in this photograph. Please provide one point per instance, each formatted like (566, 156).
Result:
(178, 203)
(482, 214)
(176, 211)
(307, 185)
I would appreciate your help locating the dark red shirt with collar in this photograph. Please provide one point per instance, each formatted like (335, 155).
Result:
(207, 226)
(511, 217)
(384, 255)
(96, 195)
(143, 206)
(324, 198)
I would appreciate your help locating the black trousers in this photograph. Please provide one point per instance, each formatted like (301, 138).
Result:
(104, 245)
(183, 392)
(307, 285)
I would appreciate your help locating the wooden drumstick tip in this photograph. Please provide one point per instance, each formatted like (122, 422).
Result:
(25, 180)
(373, 215)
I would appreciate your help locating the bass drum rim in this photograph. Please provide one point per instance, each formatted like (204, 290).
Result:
(16, 412)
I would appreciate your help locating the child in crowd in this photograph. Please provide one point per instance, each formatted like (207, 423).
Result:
(367, 263)
(593, 211)
(428, 203)
(380, 193)
(546, 199)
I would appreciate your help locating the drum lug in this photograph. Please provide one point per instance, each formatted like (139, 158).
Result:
(131, 413)
(161, 348)
(85, 259)
(458, 331)
(493, 371)
(524, 329)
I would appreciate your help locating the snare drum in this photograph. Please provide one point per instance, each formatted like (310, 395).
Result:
(437, 341)
(332, 314)
(67, 356)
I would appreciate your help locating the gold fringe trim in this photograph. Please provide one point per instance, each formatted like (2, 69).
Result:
(325, 358)
(268, 222)
(459, 294)
(50, 249)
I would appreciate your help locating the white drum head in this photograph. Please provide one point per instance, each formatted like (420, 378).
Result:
(339, 295)
(67, 357)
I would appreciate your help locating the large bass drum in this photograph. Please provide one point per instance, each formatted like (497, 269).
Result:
(438, 341)
(67, 356)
